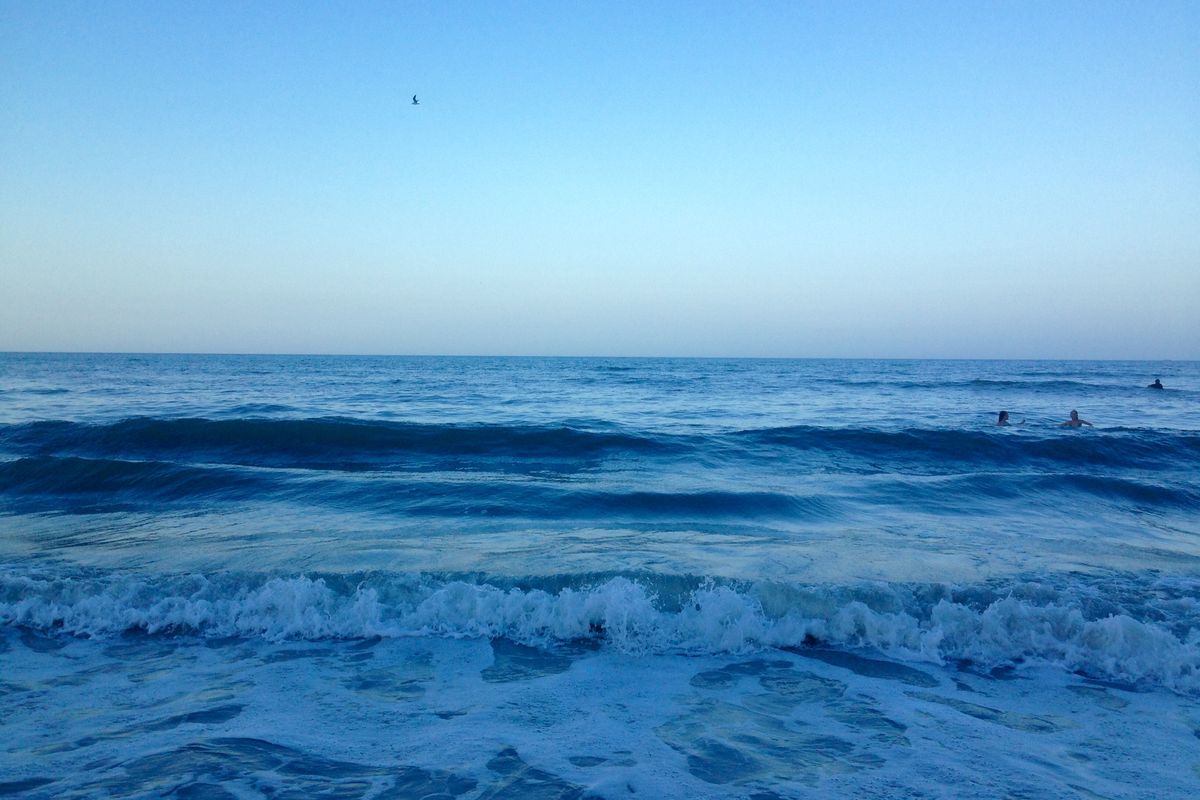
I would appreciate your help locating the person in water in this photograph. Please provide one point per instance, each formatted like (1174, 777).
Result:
(1074, 421)
(1156, 385)
(1003, 419)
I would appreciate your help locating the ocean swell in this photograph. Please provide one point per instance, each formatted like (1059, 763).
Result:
(359, 444)
(323, 442)
(147, 480)
(1117, 448)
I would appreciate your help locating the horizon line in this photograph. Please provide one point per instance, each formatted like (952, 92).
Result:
(264, 354)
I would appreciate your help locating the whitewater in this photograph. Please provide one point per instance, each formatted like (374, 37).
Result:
(252, 576)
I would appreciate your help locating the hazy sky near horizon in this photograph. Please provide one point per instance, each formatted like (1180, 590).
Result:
(729, 179)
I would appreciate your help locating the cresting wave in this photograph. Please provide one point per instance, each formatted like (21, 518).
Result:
(331, 442)
(85, 485)
(345, 443)
(1032, 623)
(556, 472)
(1118, 447)
(150, 480)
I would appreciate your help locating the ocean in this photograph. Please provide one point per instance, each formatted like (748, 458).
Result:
(420, 577)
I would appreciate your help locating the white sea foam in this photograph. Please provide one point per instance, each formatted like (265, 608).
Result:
(1034, 626)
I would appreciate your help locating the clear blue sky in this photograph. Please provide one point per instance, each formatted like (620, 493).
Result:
(758, 179)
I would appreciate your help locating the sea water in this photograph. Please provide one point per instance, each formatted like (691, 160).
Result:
(237, 577)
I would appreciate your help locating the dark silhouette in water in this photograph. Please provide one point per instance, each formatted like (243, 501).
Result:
(1156, 385)
(415, 101)
(1002, 420)
(1074, 421)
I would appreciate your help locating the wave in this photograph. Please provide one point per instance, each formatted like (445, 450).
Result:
(1118, 447)
(558, 472)
(983, 626)
(1121, 489)
(966, 493)
(148, 480)
(330, 442)
(92, 485)
(553, 502)
(95, 485)
(73, 483)
(337, 443)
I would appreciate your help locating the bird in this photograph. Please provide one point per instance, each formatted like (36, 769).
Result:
(416, 102)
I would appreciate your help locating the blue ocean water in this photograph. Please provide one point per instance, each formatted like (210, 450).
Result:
(551, 578)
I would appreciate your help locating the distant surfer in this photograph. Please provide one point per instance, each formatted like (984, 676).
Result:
(1074, 421)
(1002, 420)
(416, 102)
(1156, 385)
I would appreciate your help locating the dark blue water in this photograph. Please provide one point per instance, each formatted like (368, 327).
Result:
(832, 564)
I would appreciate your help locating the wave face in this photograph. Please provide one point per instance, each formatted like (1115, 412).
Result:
(1120, 447)
(329, 443)
(545, 472)
(987, 626)
(341, 443)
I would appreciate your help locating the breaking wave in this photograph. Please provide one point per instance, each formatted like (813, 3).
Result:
(1070, 626)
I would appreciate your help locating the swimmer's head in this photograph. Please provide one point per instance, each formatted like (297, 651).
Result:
(1074, 414)
(1003, 417)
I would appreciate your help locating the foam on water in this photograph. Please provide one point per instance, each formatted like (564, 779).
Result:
(1019, 625)
(421, 717)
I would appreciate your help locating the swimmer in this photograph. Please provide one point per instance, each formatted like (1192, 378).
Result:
(1074, 421)
(1002, 420)
(1156, 385)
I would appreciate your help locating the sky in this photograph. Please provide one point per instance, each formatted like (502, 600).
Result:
(807, 179)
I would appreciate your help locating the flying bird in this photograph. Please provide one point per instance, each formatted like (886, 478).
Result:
(416, 102)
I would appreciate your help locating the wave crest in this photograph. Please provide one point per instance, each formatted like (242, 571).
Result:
(1027, 625)
(326, 441)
